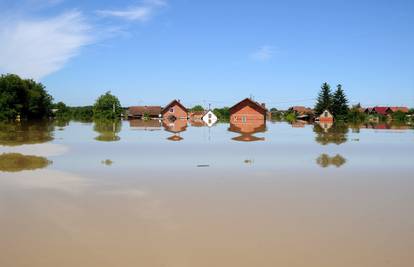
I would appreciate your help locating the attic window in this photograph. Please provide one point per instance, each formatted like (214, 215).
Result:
(171, 110)
(326, 114)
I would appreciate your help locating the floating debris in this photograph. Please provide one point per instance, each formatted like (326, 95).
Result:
(203, 166)
(107, 162)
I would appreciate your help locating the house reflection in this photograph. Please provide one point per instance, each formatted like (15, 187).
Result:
(16, 162)
(247, 130)
(325, 161)
(107, 130)
(145, 125)
(176, 127)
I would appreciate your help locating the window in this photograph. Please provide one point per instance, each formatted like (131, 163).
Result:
(171, 110)
(326, 114)
(209, 116)
(244, 119)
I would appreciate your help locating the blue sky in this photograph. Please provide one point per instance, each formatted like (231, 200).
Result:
(218, 52)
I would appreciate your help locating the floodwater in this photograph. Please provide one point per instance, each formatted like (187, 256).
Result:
(181, 194)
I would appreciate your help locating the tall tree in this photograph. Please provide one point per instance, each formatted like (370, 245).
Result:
(340, 103)
(324, 100)
(26, 98)
(107, 106)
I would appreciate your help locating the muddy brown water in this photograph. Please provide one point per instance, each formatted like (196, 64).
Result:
(152, 194)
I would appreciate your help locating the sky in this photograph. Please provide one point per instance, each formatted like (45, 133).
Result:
(212, 52)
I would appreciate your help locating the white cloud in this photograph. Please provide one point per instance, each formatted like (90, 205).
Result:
(264, 53)
(35, 48)
(142, 12)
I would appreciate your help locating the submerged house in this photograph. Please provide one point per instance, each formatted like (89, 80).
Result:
(248, 110)
(174, 111)
(139, 112)
(326, 117)
(384, 111)
(196, 115)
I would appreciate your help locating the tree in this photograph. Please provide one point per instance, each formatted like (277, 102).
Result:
(107, 106)
(23, 97)
(197, 108)
(340, 103)
(324, 100)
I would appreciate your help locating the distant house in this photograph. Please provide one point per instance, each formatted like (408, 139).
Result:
(301, 110)
(174, 110)
(210, 118)
(326, 117)
(248, 110)
(138, 112)
(196, 115)
(381, 110)
(386, 110)
(400, 109)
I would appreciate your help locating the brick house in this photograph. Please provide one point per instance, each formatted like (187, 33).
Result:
(248, 110)
(174, 110)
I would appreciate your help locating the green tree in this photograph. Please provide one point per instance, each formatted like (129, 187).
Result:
(340, 103)
(107, 106)
(222, 114)
(23, 97)
(324, 100)
(197, 108)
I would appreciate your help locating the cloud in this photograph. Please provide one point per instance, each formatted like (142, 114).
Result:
(142, 12)
(34, 48)
(264, 53)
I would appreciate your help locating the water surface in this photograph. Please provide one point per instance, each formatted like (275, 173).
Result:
(137, 193)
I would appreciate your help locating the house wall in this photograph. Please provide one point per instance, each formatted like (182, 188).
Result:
(178, 112)
(246, 114)
(326, 119)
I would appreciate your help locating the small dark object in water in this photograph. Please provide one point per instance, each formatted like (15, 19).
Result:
(203, 166)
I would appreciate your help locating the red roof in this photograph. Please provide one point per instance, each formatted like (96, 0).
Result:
(381, 110)
(402, 109)
(248, 102)
(172, 103)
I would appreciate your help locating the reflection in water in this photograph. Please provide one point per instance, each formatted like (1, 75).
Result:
(107, 162)
(247, 130)
(175, 127)
(332, 133)
(145, 125)
(16, 162)
(24, 133)
(107, 130)
(325, 161)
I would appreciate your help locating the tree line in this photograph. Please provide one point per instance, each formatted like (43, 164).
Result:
(26, 99)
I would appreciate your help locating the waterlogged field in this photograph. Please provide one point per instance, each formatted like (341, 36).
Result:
(179, 194)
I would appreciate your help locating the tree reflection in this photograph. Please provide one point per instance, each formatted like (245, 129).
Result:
(325, 161)
(15, 162)
(331, 134)
(108, 130)
(24, 133)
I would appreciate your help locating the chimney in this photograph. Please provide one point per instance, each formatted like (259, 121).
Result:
(264, 105)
